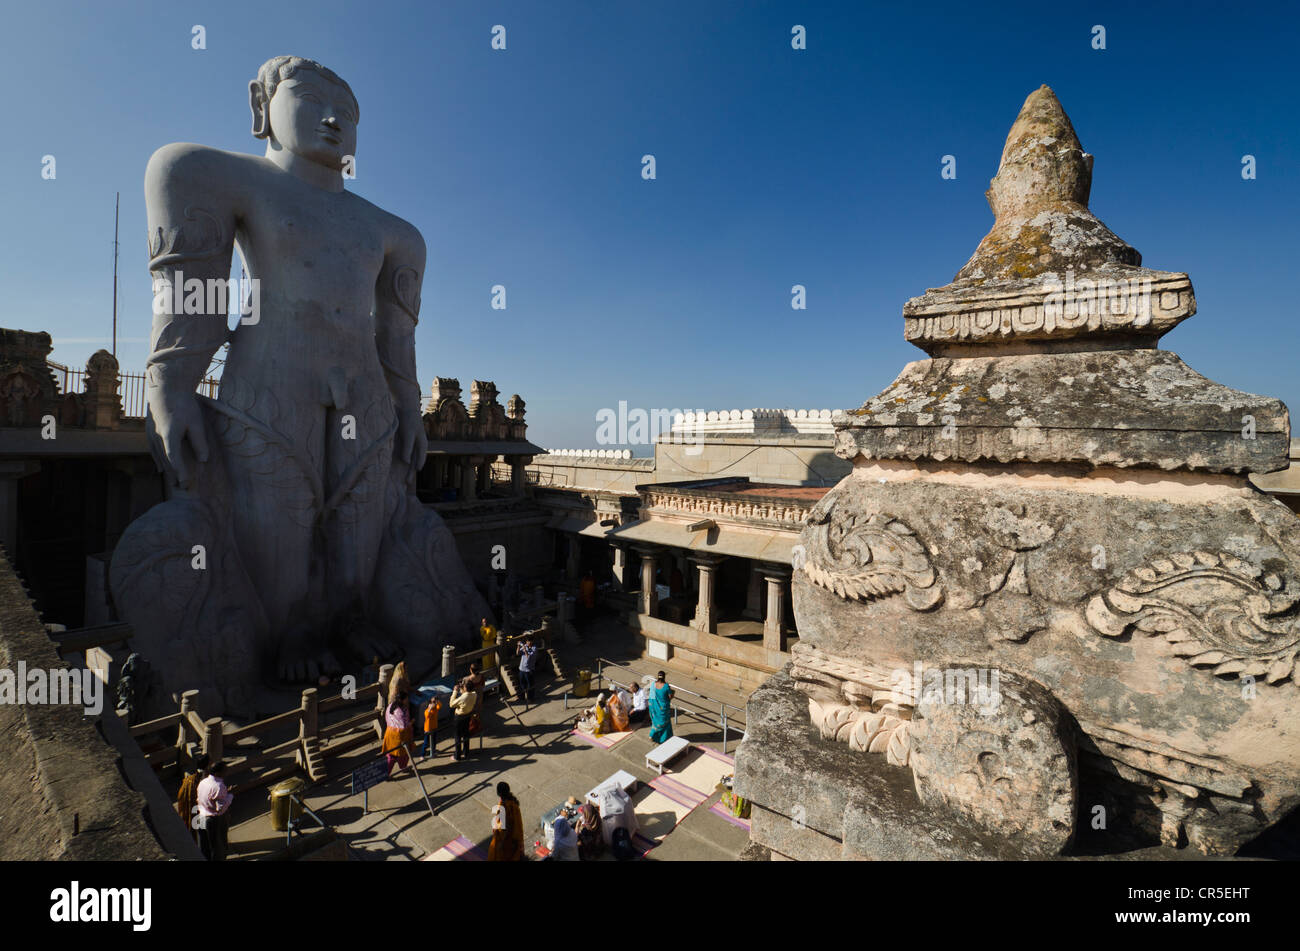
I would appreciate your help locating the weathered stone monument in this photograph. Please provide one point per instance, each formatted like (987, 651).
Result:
(292, 531)
(1047, 613)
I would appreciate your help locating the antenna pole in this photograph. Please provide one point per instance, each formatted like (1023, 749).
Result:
(117, 204)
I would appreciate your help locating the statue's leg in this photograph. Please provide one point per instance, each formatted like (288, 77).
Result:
(272, 447)
(179, 578)
(359, 451)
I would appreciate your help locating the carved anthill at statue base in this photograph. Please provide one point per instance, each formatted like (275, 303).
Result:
(292, 534)
(1051, 516)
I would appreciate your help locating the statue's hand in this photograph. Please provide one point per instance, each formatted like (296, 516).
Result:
(176, 417)
(412, 443)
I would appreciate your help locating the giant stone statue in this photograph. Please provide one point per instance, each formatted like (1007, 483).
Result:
(292, 535)
(1047, 613)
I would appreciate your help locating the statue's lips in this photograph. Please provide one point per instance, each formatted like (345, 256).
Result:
(333, 138)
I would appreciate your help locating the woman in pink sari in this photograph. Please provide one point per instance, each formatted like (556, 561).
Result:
(399, 733)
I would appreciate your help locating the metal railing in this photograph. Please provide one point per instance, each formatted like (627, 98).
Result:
(131, 387)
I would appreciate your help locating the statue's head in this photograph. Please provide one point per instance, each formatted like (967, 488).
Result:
(306, 109)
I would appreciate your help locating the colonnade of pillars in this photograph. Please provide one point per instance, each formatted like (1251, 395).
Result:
(472, 475)
(775, 577)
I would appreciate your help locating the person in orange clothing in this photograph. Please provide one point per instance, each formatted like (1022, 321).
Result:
(399, 733)
(507, 843)
(431, 710)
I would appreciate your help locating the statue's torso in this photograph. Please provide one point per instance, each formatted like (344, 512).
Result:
(316, 256)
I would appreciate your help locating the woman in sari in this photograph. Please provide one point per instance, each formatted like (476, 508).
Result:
(617, 713)
(596, 720)
(507, 843)
(661, 710)
(399, 733)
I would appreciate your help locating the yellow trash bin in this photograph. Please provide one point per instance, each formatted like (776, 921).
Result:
(582, 683)
(280, 802)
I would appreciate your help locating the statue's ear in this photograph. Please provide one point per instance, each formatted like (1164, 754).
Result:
(261, 107)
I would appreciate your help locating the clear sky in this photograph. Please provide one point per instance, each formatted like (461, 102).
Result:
(819, 167)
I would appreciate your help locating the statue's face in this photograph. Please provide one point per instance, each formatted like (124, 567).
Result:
(315, 118)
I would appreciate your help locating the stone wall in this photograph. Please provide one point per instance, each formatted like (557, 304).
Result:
(63, 793)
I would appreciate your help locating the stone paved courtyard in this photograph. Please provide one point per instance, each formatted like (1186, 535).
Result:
(534, 752)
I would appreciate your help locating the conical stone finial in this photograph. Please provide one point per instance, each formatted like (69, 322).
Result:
(1048, 269)
(1040, 201)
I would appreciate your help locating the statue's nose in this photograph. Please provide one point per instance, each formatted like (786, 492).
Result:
(330, 121)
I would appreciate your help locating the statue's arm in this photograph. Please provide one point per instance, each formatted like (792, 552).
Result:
(191, 236)
(397, 311)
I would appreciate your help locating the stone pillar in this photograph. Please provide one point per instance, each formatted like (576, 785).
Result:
(648, 599)
(308, 723)
(449, 660)
(778, 584)
(706, 614)
(754, 595)
(573, 563)
(213, 740)
(188, 700)
(103, 403)
(619, 568)
(468, 477)
(381, 698)
(484, 466)
(519, 476)
(10, 473)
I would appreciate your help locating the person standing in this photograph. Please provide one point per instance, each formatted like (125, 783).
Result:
(214, 800)
(527, 664)
(399, 733)
(507, 843)
(431, 710)
(488, 634)
(187, 799)
(477, 684)
(463, 702)
(661, 710)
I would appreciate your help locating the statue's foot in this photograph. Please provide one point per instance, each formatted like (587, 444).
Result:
(371, 643)
(303, 660)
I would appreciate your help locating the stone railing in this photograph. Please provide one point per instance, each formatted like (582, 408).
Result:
(761, 421)
(786, 513)
(602, 455)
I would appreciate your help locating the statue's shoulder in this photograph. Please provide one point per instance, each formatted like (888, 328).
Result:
(400, 235)
(185, 162)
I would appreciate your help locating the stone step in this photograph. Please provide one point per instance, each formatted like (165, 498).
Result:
(555, 664)
(507, 677)
(315, 761)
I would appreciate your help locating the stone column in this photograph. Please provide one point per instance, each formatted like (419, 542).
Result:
(706, 615)
(484, 465)
(468, 477)
(648, 599)
(103, 403)
(573, 562)
(519, 475)
(10, 473)
(619, 567)
(778, 583)
(754, 595)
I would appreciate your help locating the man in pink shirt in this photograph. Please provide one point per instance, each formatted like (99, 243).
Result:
(214, 801)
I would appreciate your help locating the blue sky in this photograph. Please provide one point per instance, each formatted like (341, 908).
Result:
(774, 167)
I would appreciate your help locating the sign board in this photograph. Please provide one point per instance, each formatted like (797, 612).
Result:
(372, 774)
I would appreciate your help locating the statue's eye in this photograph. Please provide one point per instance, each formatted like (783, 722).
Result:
(309, 97)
